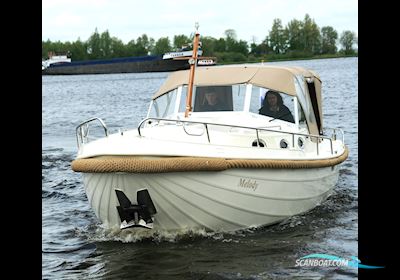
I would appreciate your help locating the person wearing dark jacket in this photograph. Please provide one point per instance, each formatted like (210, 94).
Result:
(273, 107)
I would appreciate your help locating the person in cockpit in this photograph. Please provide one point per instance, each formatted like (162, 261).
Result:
(273, 107)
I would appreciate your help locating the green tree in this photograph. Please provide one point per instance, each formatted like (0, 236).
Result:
(311, 36)
(180, 41)
(220, 45)
(329, 38)
(119, 49)
(261, 49)
(139, 48)
(131, 47)
(162, 46)
(208, 45)
(144, 44)
(253, 45)
(230, 34)
(241, 47)
(230, 40)
(253, 48)
(78, 50)
(46, 48)
(295, 35)
(278, 37)
(105, 45)
(233, 45)
(94, 46)
(55, 47)
(298, 40)
(347, 40)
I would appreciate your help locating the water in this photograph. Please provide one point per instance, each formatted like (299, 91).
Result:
(75, 246)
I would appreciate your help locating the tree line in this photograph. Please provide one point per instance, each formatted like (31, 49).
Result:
(298, 39)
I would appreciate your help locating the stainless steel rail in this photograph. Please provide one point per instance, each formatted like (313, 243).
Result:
(334, 132)
(82, 131)
(319, 138)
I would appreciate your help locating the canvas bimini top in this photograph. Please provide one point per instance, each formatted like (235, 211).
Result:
(294, 81)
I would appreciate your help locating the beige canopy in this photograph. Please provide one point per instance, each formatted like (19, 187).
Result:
(278, 78)
(273, 77)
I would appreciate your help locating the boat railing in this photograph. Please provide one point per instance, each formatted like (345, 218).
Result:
(335, 131)
(317, 138)
(82, 131)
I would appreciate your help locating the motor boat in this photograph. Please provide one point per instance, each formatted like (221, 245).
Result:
(185, 167)
(55, 60)
(186, 53)
(181, 53)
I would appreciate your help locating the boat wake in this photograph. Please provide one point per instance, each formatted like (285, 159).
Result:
(141, 235)
(100, 233)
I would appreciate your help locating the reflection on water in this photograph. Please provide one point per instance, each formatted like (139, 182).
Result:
(75, 246)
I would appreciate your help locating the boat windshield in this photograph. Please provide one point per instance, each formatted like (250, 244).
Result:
(205, 99)
(237, 98)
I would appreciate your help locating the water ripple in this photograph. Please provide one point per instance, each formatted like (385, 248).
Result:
(76, 246)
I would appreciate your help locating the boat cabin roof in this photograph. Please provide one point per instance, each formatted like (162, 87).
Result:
(290, 80)
(273, 77)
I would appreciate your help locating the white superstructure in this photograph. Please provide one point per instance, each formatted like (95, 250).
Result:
(55, 59)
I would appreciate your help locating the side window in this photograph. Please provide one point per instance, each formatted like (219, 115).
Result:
(164, 105)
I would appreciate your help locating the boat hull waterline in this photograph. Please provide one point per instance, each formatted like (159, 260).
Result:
(226, 200)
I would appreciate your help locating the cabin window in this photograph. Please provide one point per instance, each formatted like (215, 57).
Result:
(281, 107)
(213, 98)
(164, 105)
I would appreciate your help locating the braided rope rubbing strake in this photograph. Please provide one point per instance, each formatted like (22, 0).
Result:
(135, 164)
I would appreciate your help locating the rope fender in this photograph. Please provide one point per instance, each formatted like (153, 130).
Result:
(134, 164)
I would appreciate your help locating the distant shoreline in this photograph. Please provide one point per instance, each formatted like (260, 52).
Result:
(290, 59)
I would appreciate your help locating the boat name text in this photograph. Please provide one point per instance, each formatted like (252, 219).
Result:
(248, 184)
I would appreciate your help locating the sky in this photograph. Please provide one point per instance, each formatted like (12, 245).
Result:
(68, 20)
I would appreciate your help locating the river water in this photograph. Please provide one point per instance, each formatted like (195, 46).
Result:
(75, 246)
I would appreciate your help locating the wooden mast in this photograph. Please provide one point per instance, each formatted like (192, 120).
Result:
(192, 62)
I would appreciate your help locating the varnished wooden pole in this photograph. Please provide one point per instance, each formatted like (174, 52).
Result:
(193, 62)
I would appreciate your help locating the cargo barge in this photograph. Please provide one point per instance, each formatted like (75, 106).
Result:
(172, 61)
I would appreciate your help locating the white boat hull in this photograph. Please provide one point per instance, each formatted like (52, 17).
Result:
(220, 201)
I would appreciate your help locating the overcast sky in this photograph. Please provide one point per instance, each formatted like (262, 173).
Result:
(68, 20)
